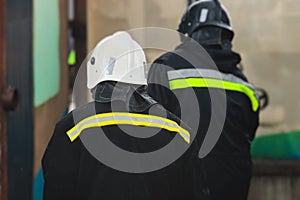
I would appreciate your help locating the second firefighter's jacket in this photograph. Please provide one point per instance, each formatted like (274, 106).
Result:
(173, 81)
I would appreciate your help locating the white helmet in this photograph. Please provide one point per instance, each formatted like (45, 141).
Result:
(117, 58)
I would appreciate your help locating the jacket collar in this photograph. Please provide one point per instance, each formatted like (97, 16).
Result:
(134, 96)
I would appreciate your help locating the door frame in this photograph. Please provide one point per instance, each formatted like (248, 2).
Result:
(3, 128)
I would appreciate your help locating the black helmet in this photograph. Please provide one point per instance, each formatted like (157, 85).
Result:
(205, 13)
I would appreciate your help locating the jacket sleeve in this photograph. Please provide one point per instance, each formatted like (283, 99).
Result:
(158, 85)
(60, 166)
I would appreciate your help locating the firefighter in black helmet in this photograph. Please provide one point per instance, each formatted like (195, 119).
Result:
(225, 172)
(208, 23)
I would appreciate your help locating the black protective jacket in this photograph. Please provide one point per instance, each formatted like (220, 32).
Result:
(225, 172)
(72, 172)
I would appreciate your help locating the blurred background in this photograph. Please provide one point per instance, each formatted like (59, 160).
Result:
(43, 43)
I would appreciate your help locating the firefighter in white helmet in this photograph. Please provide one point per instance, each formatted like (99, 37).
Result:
(124, 114)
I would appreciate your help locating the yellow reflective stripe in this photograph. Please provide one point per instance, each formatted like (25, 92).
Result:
(206, 73)
(214, 83)
(116, 114)
(100, 121)
(129, 122)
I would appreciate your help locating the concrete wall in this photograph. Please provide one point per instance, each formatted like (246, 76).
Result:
(275, 180)
(275, 188)
(104, 18)
(266, 36)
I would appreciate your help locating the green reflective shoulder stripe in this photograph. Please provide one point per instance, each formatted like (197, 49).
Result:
(206, 73)
(213, 78)
(213, 83)
(115, 118)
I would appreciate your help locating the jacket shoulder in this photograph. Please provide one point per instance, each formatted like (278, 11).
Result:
(76, 115)
(174, 60)
(160, 111)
